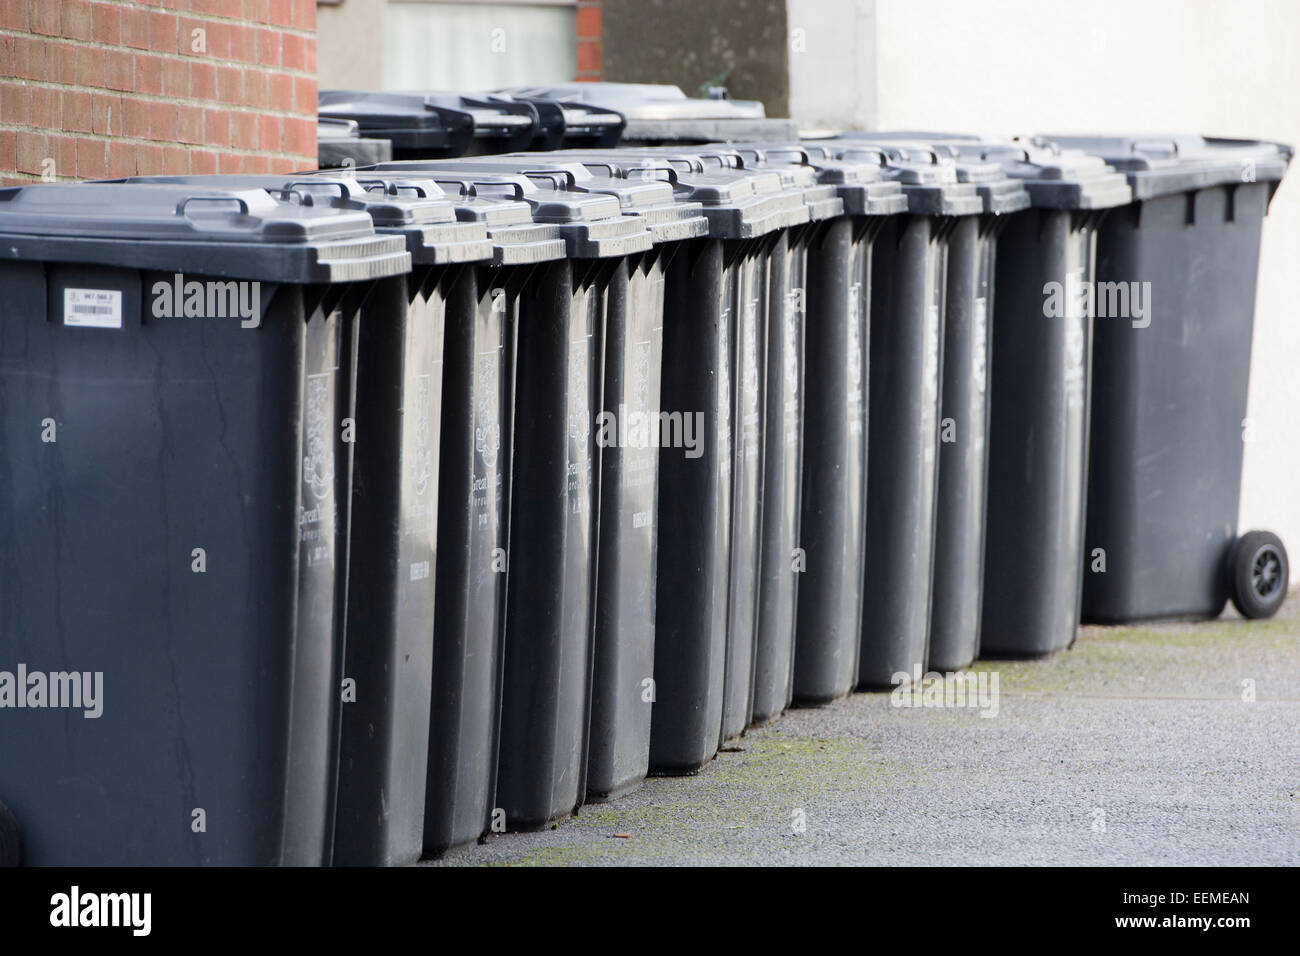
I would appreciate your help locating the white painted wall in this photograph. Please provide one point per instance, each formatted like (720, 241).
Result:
(1227, 67)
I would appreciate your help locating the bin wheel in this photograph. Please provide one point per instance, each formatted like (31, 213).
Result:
(1260, 572)
(11, 839)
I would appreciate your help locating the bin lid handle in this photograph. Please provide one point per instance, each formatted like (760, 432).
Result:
(553, 175)
(224, 200)
(342, 187)
(393, 188)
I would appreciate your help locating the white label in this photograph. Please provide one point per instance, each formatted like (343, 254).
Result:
(419, 570)
(92, 308)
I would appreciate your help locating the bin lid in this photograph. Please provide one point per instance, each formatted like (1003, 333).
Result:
(570, 123)
(592, 225)
(1157, 165)
(339, 143)
(928, 178)
(1055, 178)
(428, 222)
(433, 121)
(822, 199)
(739, 202)
(648, 194)
(203, 229)
(999, 193)
(662, 113)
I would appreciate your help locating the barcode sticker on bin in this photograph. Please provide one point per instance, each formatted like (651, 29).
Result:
(93, 308)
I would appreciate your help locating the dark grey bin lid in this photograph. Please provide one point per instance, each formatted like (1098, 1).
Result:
(928, 179)
(662, 113)
(433, 121)
(205, 230)
(570, 123)
(1157, 165)
(433, 233)
(650, 197)
(822, 199)
(339, 143)
(593, 226)
(1055, 178)
(739, 203)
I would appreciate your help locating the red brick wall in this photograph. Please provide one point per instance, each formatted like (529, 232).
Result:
(589, 27)
(97, 88)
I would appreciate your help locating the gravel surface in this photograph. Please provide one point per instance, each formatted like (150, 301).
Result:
(1134, 747)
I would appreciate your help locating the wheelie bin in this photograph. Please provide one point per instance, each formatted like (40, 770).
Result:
(1173, 312)
(662, 115)
(175, 542)
(425, 124)
(909, 284)
(339, 144)
(832, 524)
(628, 449)
(555, 502)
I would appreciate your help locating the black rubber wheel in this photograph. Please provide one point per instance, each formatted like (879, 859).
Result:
(1260, 572)
(11, 839)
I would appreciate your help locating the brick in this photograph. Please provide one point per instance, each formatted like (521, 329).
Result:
(7, 67)
(257, 164)
(588, 22)
(63, 62)
(148, 160)
(588, 56)
(105, 113)
(268, 47)
(30, 151)
(29, 58)
(300, 135)
(107, 24)
(136, 113)
(230, 84)
(119, 70)
(176, 160)
(148, 73)
(258, 11)
(304, 94)
(218, 8)
(193, 43)
(76, 111)
(78, 20)
(176, 77)
(243, 129)
(47, 108)
(164, 30)
(45, 18)
(268, 133)
(255, 89)
(240, 43)
(189, 124)
(91, 161)
(121, 158)
(162, 121)
(203, 81)
(90, 67)
(64, 151)
(216, 127)
(279, 164)
(293, 51)
(14, 15)
(16, 103)
(135, 28)
(203, 162)
(281, 13)
(279, 91)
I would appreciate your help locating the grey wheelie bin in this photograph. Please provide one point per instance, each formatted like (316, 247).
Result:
(426, 124)
(764, 273)
(662, 115)
(958, 584)
(394, 530)
(715, 288)
(339, 144)
(771, 682)
(175, 540)
(628, 447)
(832, 525)
(1038, 428)
(909, 284)
(555, 502)
(1173, 313)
